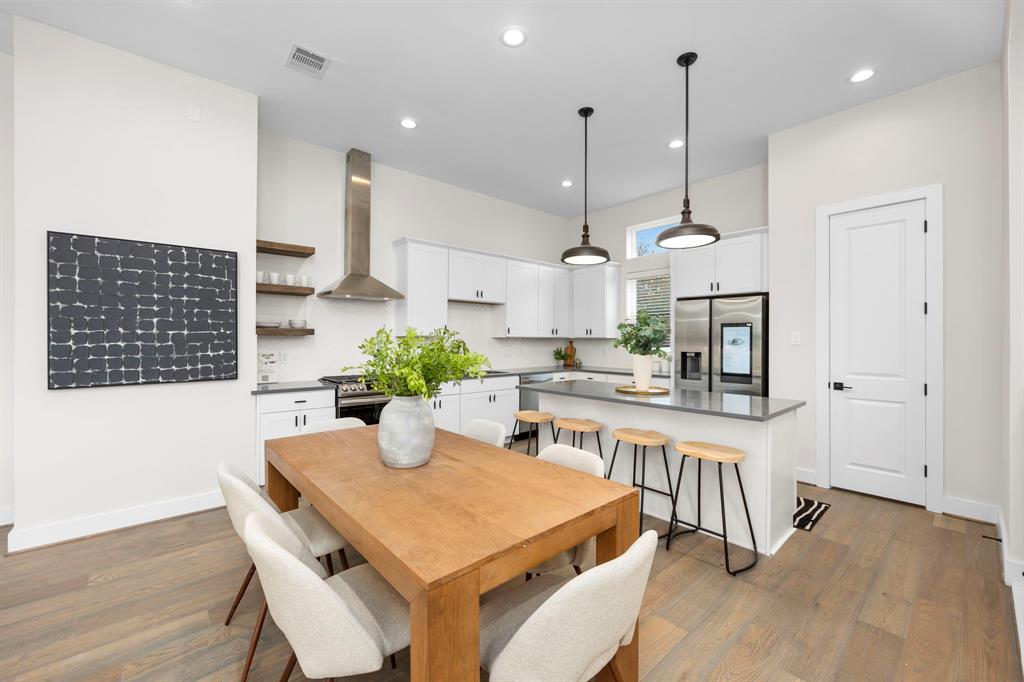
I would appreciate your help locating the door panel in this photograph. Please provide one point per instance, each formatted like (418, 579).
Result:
(491, 274)
(446, 412)
(503, 408)
(738, 265)
(878, 351)
(546, 301)
(462, 276)
(319, 415)
(562, 302)
(693, 272)
(521, 308)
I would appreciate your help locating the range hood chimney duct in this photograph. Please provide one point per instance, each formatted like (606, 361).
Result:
(356, 282)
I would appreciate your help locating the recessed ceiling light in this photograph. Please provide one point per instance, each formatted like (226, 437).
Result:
(513, 36)
(675, 144)
(408, 123)
(861, 76)
(566, 183)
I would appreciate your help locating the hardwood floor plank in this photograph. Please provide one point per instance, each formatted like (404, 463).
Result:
(932, 647)
(871, 654)
(657, 637)
(987, 648)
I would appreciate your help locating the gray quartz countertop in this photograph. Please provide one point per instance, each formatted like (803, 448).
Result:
(730, 405)
(291, 387)
(552, 369)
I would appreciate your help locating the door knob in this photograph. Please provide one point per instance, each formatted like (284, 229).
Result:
(840, 386)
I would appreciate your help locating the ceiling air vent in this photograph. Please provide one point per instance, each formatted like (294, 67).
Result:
(307, 62)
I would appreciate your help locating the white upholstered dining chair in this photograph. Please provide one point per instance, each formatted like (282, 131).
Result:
(588, 463)
(553, 629)
(243, 497)
(333, 425)
(344, 625)
(486, 431)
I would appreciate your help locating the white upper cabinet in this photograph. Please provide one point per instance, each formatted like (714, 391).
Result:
(520, 310)
(733, 265)
(476, 277)
(595, 295)
(554, 301)
(423, 278)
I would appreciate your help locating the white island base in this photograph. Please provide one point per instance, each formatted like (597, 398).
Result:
(769, 473)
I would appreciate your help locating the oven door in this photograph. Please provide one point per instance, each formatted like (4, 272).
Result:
(368, 408)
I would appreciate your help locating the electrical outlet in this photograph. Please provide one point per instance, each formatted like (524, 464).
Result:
(794, 338)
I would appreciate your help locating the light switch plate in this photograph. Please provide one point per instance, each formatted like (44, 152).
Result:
(794, 338)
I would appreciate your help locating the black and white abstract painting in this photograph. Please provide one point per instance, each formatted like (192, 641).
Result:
(130, 312)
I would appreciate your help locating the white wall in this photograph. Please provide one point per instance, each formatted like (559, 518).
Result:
(730, 202)
(103, 146)
(301, 196)
(6, 270)
(948, 132)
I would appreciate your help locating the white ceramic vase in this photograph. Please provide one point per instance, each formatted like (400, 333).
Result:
(405, 436)
(642, 367)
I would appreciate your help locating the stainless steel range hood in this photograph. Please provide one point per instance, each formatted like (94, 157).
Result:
(356, 282)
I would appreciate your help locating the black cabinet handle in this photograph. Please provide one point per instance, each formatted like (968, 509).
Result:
(303, 420)
(296, 421)
(298, 401)
(712, 286)
(718, 286)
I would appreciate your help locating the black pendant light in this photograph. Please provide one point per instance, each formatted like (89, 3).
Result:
(687, 234)
(585, 253)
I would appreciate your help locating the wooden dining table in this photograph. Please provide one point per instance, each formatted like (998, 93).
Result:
(472, 518)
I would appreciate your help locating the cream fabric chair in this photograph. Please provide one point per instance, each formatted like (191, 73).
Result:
(552, 629)
(341, 626)
(486, 431)
(305, 525)
(588, 463)
(334, 425)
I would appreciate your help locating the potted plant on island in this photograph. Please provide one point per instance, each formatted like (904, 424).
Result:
(410, 369)
(645, 340)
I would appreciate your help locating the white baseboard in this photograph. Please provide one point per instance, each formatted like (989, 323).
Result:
(806, 475)
(27, 537)
(1018, 613)
(6, 514)
(1013, 569)
(979, 511)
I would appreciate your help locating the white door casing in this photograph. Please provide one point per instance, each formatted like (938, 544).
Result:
(877, 354)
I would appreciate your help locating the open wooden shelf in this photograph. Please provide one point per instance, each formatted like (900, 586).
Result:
(284, 289)
(282, 249)
(283, 331)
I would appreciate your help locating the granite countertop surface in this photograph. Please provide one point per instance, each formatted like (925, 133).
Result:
(291, 387)
(553, 369)
(729, 405)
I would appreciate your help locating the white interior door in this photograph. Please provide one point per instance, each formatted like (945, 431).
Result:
(878, 351)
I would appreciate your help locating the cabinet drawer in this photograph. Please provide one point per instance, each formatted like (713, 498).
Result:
(590, 376)
(298, 400)
(489, 384)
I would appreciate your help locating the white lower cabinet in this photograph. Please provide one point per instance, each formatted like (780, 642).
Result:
(279, 415)
(447, 412)
(495, 406)
(495, 399)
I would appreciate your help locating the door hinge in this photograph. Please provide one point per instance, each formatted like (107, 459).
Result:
(926, 227)
(926, 307)
(926, 471)
(926, 389)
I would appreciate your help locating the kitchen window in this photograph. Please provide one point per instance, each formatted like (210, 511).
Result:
(641, 239)
(651, 291)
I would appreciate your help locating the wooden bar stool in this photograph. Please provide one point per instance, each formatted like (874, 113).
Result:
(643, 438)
(534, 418)
(580, 426)
(721, 454)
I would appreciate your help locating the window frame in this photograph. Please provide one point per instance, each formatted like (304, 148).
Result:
(631, 231)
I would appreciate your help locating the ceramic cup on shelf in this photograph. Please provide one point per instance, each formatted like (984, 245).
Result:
(289, 279)
(260, 277)
(297, 324)
(275, 278)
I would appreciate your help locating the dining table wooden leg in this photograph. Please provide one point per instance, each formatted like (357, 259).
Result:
(446, 631)
(280, 490)
(625, 666)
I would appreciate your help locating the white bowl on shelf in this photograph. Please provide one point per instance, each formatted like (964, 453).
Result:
(297, 324)
(268, 324)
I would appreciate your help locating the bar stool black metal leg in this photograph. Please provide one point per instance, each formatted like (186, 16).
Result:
(535, 433)
(673, 519)
(599, 450)
(512, 438)
(555, 435)
(634, 472)
(574, 439)
(725, 534)
(668, 474)
(615, 451)
(581, 442)
(643, 483)
(554, 438)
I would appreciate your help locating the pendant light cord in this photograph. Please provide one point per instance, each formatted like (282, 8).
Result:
(586, 175)
(686, 138)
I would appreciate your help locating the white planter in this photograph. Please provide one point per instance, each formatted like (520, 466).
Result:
(642, 367)
(405, 436)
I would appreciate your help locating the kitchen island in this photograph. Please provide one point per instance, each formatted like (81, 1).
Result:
(765, 428)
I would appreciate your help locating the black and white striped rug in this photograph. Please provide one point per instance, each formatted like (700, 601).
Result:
(808, 513)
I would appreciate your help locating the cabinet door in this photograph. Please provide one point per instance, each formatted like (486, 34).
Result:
(584, 289)
(491, 276)
(446, 412)
(463, 272)
(693, 272)
(476, 406)
(319, 415)
(521, 304)
(738, 265)
(502, 408)
(546, 301)
(425, 280)
(562, 291)
(273, 425)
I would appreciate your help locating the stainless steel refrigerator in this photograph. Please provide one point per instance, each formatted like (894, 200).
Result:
(721, 344)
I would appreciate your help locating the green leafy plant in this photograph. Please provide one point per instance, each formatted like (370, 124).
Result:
(560, 354)
(647, 336)
(412, 365)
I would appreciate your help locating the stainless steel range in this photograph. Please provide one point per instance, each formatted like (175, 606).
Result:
(355, 399)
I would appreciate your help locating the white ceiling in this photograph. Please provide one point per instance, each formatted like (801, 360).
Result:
(503, 121)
